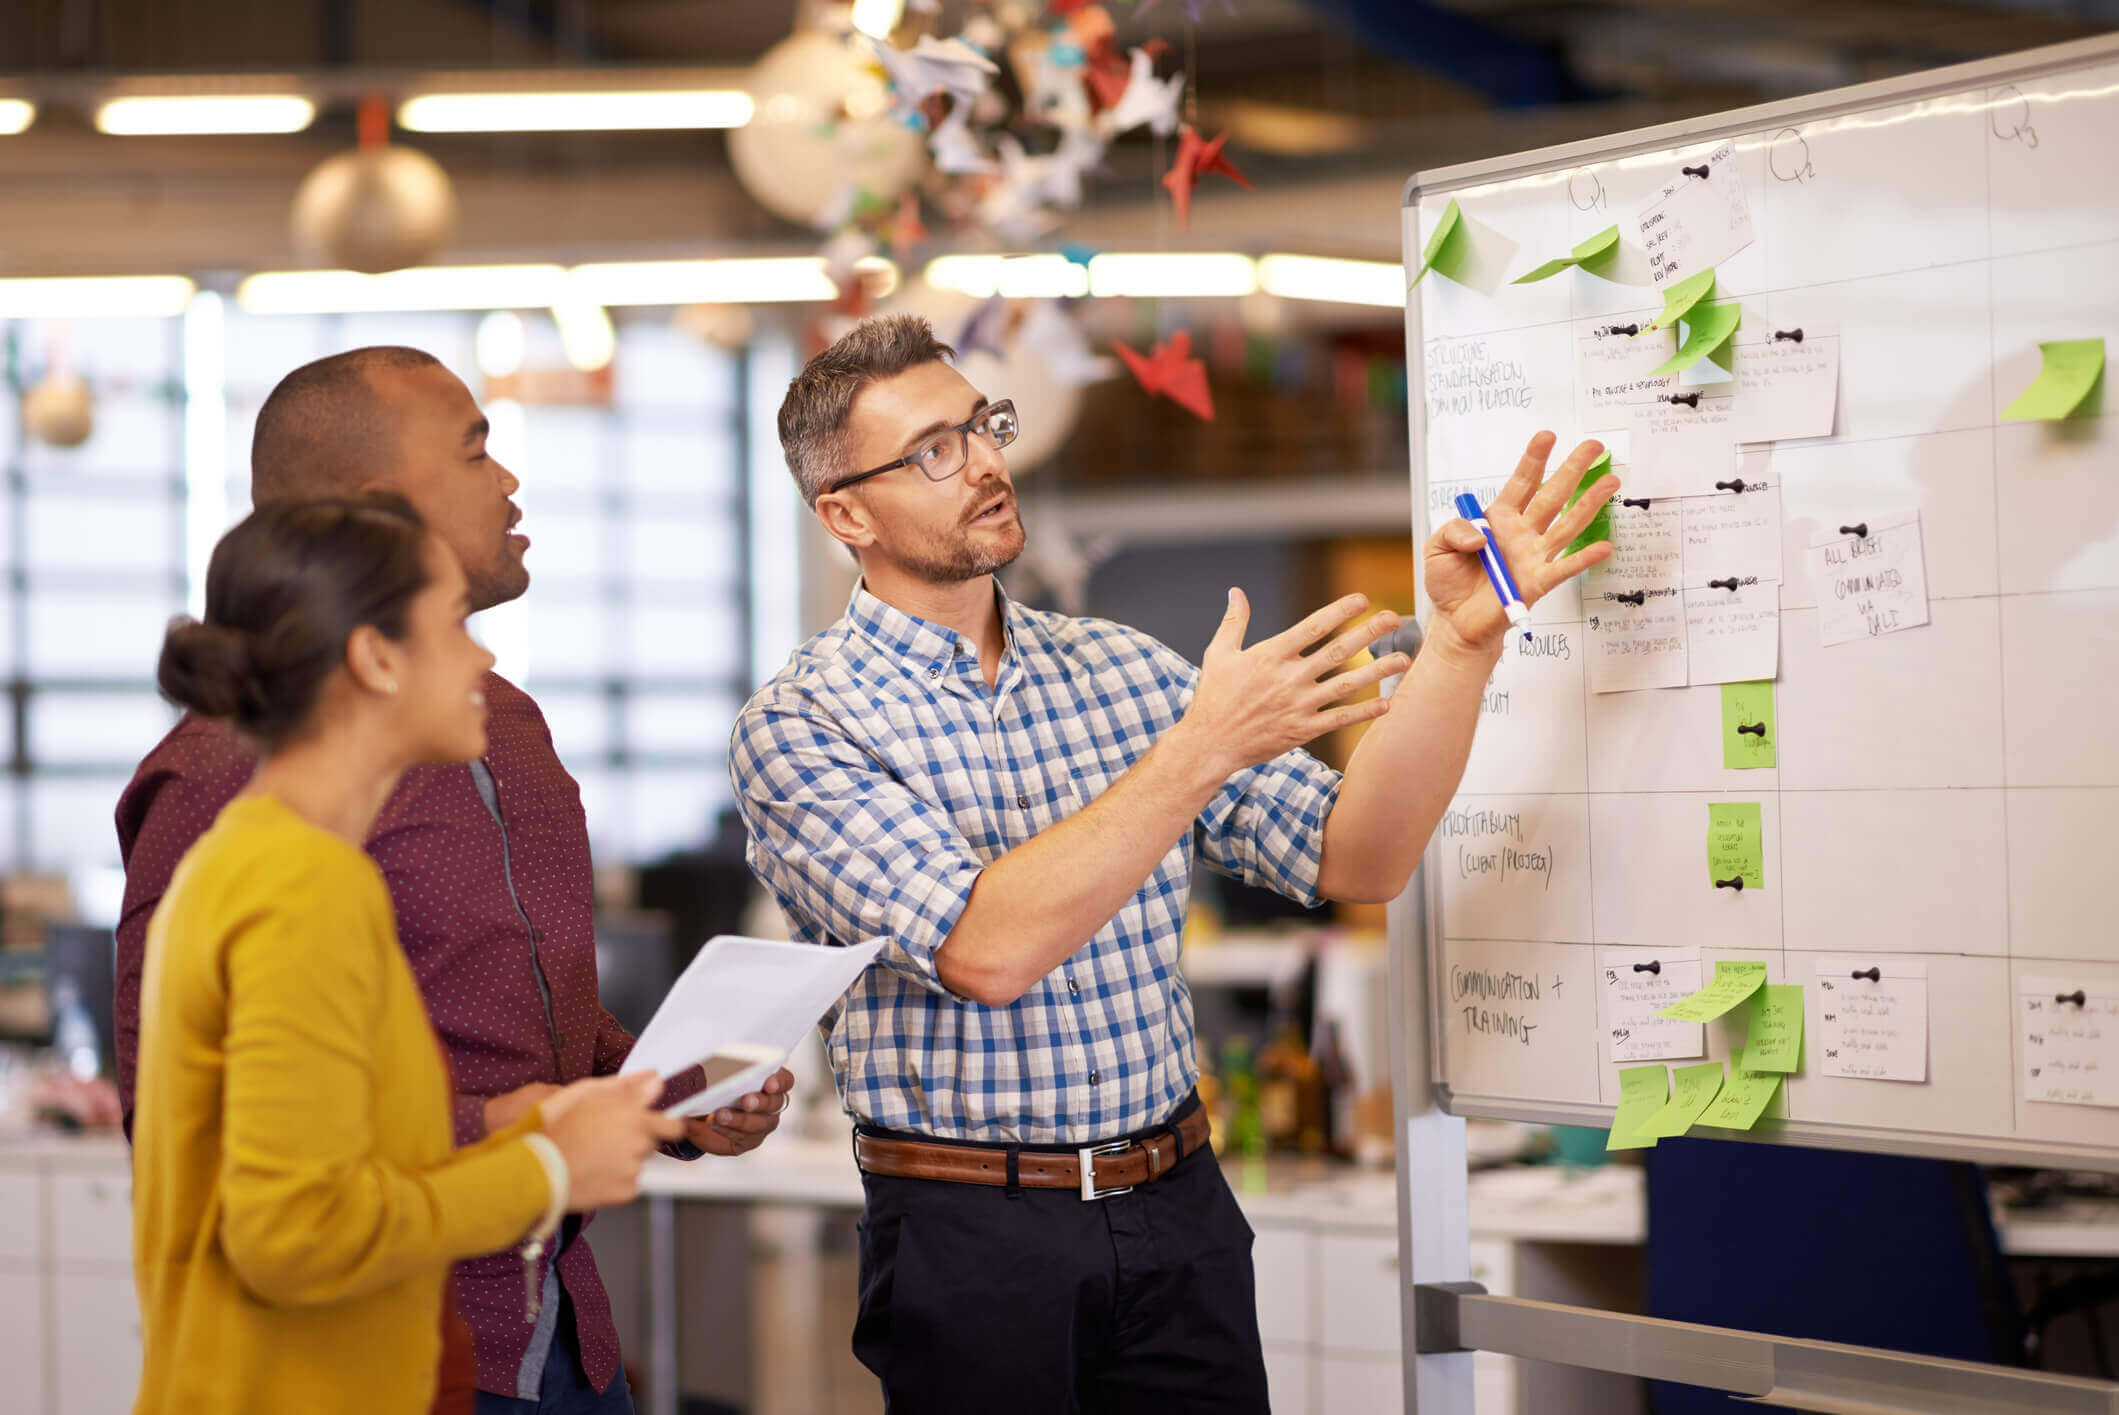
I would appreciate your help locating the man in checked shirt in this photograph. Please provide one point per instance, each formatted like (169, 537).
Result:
(488, 864)
(1013, 800)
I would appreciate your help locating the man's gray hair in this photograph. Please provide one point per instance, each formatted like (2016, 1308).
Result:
(819, 402)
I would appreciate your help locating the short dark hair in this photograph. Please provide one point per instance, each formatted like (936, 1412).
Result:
(322, 430)
(286, 588)
(813, 416)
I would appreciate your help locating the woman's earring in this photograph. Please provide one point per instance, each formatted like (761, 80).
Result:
(390, 685)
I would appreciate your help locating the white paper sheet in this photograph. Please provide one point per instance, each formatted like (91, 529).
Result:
(1695, 222)
(1873, 1029)
(1733, 636)
(1732, 534)
(1638, 982)
(1636, 645)
(740, 1007)
(2070, 1041)
(1784, 386)
(1680, 448)
(1615, 369)
(1869, 584)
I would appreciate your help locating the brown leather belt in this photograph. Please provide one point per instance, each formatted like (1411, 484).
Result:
(1098, 1171)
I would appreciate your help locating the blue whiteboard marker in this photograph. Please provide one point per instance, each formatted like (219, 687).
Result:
(1496, 568)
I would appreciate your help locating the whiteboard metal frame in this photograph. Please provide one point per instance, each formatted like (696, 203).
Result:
(2031, 64)
(1443, 1316)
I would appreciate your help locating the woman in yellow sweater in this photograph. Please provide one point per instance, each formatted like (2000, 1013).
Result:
(297, 1200)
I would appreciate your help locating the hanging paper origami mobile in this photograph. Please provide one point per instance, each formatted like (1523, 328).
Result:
(1170, 370)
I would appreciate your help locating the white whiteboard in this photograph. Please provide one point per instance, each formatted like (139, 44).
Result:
(1947, 794)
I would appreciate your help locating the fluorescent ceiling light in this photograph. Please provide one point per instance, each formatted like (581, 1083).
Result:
(586, 334)
(1172, 274)
(754, 281)
(1347, 282)
(427, 287)
(135, 296)
(1020, 277)
(165, 114)
(575, 112)
(877, 18)
(15, 115)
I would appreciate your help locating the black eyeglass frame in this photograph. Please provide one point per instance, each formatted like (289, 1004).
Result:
(962, 431)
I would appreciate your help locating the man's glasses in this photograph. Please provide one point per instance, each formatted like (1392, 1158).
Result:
(941, 456)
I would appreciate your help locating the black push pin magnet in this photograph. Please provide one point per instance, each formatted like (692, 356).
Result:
(2075, 997)
(1699, 172)
(1640, 501)
(1793, 336)
(1873, 973)
(1756, 729)
(1728, 584)
(1736, 485)
(1622, 329)
(1653, 965)
(1736, 884)
(1638, 597)
(1859, 528)
(1690, 400)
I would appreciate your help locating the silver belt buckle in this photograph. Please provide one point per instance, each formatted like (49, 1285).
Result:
(1084, 1159)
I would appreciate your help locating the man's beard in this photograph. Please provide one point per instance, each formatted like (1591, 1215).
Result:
(953, 561)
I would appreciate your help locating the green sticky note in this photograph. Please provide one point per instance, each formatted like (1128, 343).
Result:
(1448, 248)
(1707, 328)
(1642, 1092)
(1597, 250)
(1599, 527)
(1679, 299)
(1733, 981)
(1736, 853)
(1747, 725)
(1694, 1089)
(1743, 1099)
(2072, 368)
(1775, 1041)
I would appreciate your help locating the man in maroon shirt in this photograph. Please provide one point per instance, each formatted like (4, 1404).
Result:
(488, 864)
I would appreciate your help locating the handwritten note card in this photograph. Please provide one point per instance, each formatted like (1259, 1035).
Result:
(1636, 639)
(1698, 219)
(1642, 1092)
(1732, 635)
(1774, 1041)
(1787, 379)
(1616, 370)
(1639, 982)
(1732, 535)
(1872, 1019)
(1681, 445)
(1734, 980)
(2070, 1042)
(1871, 579)
(1735, 848)
(1748, 734)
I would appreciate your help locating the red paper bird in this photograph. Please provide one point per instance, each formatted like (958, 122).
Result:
(1110, 72)
(1196, 157)
(1170, 369)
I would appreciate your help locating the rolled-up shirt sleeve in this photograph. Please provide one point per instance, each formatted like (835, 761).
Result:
(850, 852)
(1266, 824)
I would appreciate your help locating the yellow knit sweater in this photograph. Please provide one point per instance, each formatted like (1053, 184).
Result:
(296, 1200)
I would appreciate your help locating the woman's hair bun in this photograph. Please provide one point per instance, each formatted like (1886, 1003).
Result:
(208, 669)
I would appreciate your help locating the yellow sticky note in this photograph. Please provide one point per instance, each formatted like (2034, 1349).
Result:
(1775, 1041)
(1707, 328)
(1679, 299)
(1694, 1089)
(1642, 1092)
(1733, 981)
(2072, 368)
(1596, 251)
(1743, 1099)
(1747, 725)
(1736, 849)
(1448, 249)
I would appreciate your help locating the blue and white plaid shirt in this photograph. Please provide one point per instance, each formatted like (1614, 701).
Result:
(879, 775)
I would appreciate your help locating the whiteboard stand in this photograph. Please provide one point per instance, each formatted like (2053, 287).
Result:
(2026, 244)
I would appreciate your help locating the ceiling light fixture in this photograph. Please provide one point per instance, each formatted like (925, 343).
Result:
(1346, 282)
(96, 297)
(163, 115)
(15, 115)
(575, 112)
